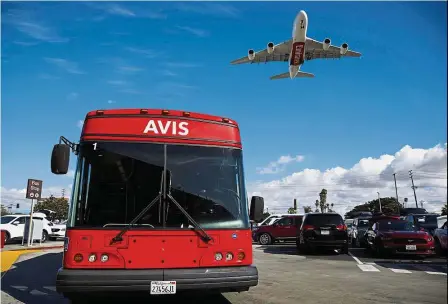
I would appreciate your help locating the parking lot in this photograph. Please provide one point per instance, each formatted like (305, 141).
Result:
(285, 278)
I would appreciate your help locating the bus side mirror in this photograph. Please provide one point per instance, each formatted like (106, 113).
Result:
(256, 208)
(60, 158)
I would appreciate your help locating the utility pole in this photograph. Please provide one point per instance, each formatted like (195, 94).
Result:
(413, 188)
(295, 205)
(396, 192)
(379, 201)
(63, 193)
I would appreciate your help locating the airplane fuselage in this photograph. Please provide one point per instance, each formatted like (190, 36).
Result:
(297, 54)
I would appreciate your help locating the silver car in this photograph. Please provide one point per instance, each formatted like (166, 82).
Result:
(359, 227)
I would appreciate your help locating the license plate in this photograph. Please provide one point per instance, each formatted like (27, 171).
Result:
(163, 287)
(411, 247)
(325, 232)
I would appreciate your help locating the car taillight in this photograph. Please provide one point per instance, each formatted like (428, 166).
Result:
(341, 227)
(308, 227)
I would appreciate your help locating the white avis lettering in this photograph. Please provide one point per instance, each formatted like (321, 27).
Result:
(167, 127)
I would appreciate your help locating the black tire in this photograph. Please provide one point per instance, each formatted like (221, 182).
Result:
(7, 237)
(344, 250)
(44, 236)
(439, 251)
(265, 239)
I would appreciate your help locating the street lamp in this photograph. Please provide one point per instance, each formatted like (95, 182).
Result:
(379, 201)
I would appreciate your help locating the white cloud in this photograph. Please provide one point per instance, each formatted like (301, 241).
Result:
(28, 23)
(111, 101)
(148, 53)
(195, 31)
(360, 183)
(280, 164)
(69, 66)
(17, 196)
(80, 123)
(72, 96)
(208, 8)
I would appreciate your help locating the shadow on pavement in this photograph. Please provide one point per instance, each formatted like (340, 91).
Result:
(32, 281)
(315, 254)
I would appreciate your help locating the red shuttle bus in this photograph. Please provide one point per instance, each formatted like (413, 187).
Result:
(159, 205)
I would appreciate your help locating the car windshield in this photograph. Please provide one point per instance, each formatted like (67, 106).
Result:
(387, 225)
(324, 219)
(429, 220)
(115, 181)
(363, 223)
(7, 218)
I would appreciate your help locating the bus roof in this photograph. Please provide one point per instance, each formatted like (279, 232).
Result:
(163, 126)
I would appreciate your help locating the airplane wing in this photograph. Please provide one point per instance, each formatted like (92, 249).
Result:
(280, 54)
(314, 50)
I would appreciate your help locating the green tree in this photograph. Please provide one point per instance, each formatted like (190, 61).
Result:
(389, 205)
(444, 211)
(307, 209)
(323, 200)
(56, 204)
(4, 210)
(291, 210)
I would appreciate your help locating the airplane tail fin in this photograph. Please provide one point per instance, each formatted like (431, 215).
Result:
(300, 74)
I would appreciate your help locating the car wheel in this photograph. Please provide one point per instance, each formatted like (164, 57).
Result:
(438, 246)
(44, 236)
(344, 249)
(265, 239)
(7, 237)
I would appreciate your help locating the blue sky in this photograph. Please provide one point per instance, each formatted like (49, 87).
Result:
(61, 60)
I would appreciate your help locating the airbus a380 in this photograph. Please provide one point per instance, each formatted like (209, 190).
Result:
(297, 50)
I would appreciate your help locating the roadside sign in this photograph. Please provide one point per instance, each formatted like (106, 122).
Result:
(34, 189)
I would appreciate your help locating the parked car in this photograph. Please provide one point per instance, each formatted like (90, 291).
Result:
(426, 222)
(440, 238)
(14, 225)
(58, 230)
(322, 230)
(359, 228)
(395, 236)
(349, 224)
(283, 229)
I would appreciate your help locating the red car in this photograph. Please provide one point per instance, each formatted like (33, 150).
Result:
(398, 237)
(283, 229)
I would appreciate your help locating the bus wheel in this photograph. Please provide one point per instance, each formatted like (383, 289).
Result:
(265, 239)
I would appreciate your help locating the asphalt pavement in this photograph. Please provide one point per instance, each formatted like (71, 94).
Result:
(285, 278)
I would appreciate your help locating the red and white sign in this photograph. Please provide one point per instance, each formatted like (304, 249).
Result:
(160, 129)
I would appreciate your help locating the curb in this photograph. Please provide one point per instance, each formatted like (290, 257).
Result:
(36, 248)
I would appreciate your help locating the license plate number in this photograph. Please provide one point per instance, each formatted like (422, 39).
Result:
(163, 287)
(411, 247)
(325, 232)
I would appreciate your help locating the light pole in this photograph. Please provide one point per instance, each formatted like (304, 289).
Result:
(379, 201)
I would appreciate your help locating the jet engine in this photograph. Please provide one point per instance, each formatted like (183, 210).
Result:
(270, 48)
(326, 44)
(251, 54)
(344, 48)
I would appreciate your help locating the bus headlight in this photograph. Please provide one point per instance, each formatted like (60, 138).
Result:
(92, 258)
(218, 256)
(78, 257)
(241, 256)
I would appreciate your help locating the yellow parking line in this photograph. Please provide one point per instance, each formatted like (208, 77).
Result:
(9, 257)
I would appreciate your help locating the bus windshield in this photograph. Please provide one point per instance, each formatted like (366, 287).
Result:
(115, 181)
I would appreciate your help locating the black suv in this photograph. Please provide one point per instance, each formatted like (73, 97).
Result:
(326, 230)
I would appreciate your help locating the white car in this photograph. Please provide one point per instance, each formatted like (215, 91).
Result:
(58, 230)
(14, 225)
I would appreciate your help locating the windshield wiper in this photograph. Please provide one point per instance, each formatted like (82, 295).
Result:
(119, 236)
(204, 235)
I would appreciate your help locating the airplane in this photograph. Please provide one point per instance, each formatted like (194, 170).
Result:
(297, 50)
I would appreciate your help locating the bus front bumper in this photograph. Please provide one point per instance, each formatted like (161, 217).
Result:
(222, 279)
